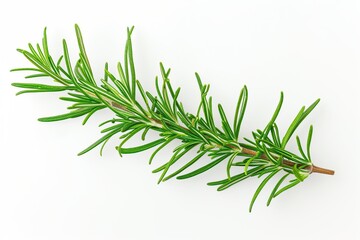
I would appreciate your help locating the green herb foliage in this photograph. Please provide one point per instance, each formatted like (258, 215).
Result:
(137, 111)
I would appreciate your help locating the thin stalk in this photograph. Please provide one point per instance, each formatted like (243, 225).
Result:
(312, 168)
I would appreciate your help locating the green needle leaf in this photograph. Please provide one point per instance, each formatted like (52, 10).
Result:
(287, 187)
(261, 186)
(203, 169)
(276, 188)
(231, 160)
(187, 165)
(73, 114)
(298, 119)
(240, 111)
(309, 143)
(297, 173)
(98, 142)
(82, 47)
(240, 177)
(48, 88)
(142, 147)
(273, 118)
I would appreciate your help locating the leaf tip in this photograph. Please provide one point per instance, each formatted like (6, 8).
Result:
(20, 50)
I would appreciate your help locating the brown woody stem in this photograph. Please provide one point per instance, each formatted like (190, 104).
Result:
(312, 168)
(322, 170)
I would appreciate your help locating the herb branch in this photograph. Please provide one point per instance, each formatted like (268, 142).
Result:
(137, 111)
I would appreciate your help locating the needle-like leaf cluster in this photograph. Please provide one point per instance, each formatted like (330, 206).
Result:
(137, 111)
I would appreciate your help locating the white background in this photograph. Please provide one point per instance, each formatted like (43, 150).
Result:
(308, 49)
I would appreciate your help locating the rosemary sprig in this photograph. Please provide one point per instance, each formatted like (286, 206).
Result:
(139, 111)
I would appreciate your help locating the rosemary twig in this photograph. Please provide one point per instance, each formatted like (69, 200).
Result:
(139, 111)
